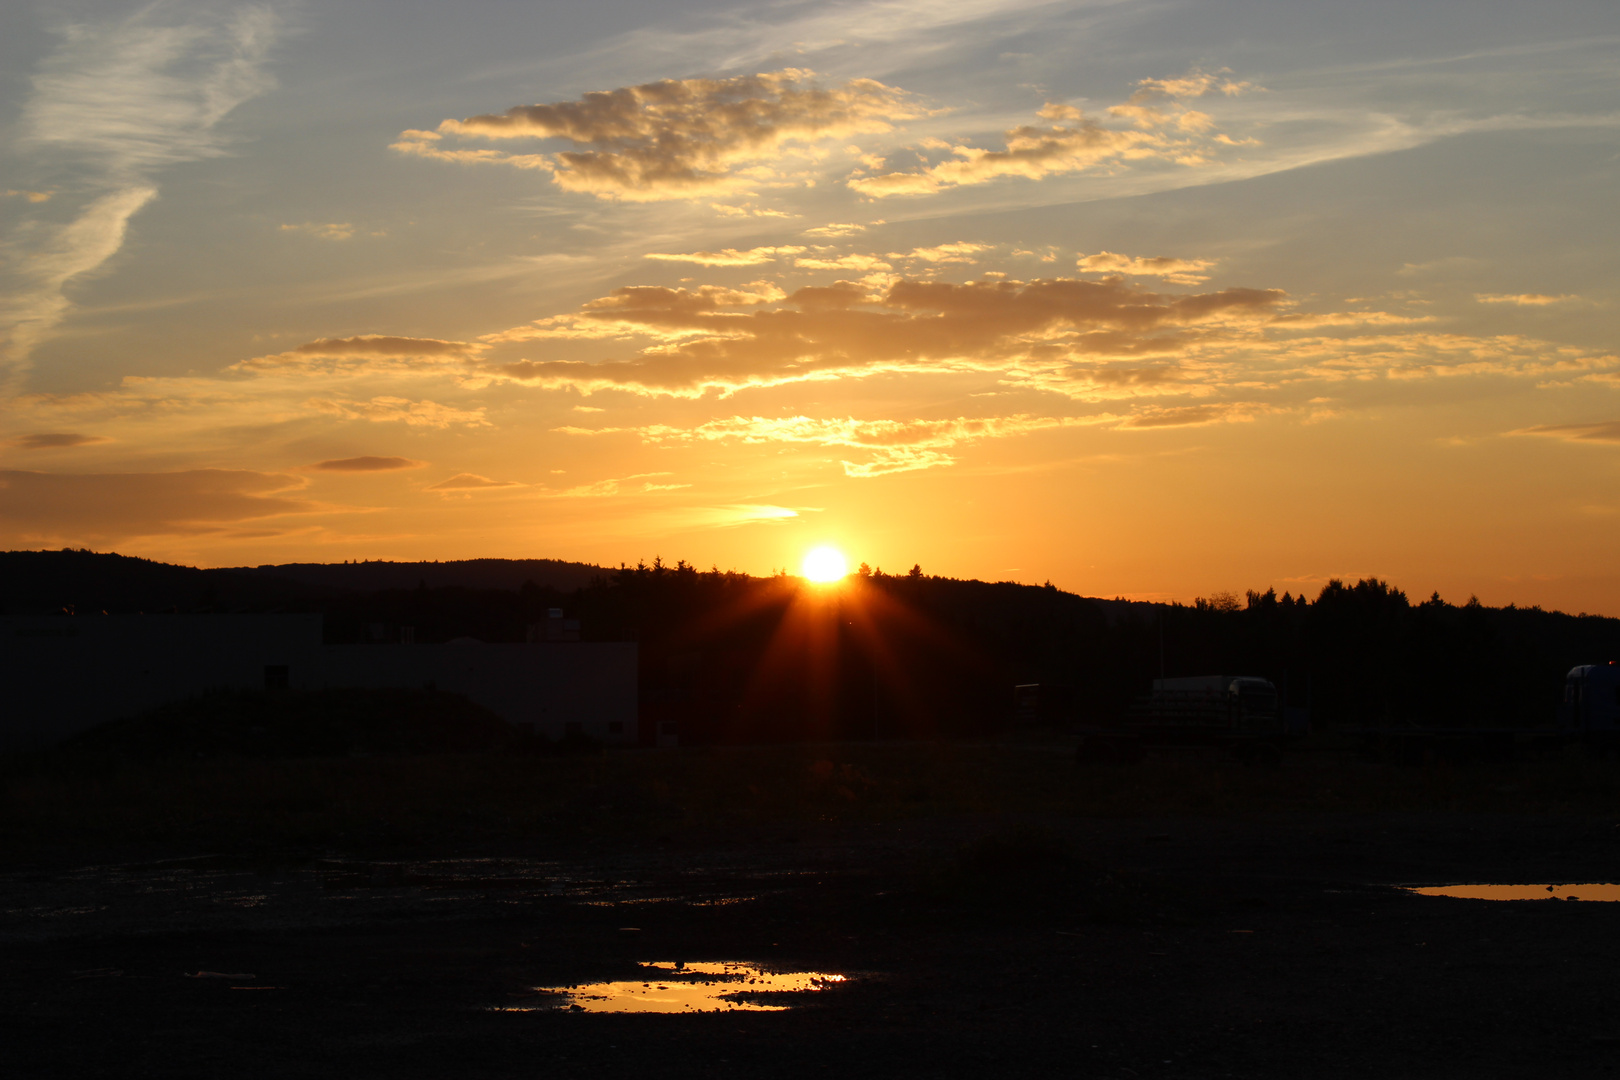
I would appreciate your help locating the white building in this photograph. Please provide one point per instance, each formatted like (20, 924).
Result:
(63, 674)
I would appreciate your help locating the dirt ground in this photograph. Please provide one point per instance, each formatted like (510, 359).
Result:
(1253, 939)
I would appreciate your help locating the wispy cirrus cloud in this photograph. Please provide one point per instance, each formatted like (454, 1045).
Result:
(673, 139)
(892, 446)
(634, 484)
(121, 100)
(1523, 299)
(331, 230)
(1602, 432)
(1191, 415)
(397, 410)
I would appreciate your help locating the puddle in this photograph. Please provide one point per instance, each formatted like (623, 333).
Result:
(1591, 891)
(679, 988)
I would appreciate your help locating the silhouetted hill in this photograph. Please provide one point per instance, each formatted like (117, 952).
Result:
(88, 582)
(462, 574)
(39, 582)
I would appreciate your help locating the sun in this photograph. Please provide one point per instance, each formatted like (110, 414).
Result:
(825, 564)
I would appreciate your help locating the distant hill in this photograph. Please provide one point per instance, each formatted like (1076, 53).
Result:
(38, 582)
(507, 574)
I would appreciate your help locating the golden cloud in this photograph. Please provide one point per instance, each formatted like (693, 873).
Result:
(677, 138)
(366, 352)
(837, 229)
(383, 410)
(730, 256)
(843, 262)
(704, 341)
(1175, 271)
(1162, 129)
(100, 507)
(959, 252)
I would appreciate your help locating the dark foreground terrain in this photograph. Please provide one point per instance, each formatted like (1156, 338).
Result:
(996, 912)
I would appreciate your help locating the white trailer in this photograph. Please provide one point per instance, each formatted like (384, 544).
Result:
(1237, 713)
(1591, 698)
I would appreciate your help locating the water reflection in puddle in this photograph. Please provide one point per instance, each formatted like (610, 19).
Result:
(1589, 891)
(677, 988)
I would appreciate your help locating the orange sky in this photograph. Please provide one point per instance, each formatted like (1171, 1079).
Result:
(1142, 299)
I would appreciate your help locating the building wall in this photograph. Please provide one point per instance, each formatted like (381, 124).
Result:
(62, 674)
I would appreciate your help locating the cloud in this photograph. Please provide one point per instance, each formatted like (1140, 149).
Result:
(1162, 129)
(892, 445)
(55, 440)
(1605, 432)
(471, 482)
(337, 230)
(31, 196)
(1175, 271)
(53, 508)
(623, 485)
(383, 410)
(706, 341)
(365, 353)
(367, 464)
(730, 256)
(120, 100)
(1523, 299)
(677, 138)
(837, 229)
(864, 263)
(726, 210)
(960, 252)
(1190, 415)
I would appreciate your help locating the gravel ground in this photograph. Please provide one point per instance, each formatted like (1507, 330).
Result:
(1245, 946)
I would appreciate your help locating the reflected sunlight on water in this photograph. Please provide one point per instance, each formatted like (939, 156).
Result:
(674, 988)
(1590, 891)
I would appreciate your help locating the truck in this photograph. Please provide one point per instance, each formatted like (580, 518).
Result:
(1241, 714)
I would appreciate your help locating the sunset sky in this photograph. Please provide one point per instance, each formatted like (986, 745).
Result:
(1148, 298)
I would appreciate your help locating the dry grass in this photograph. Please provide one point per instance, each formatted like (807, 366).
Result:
(64, 805)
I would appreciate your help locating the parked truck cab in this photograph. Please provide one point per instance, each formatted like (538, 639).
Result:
(1592, 698)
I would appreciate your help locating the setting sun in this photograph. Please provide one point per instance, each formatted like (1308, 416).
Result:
(825, 564)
